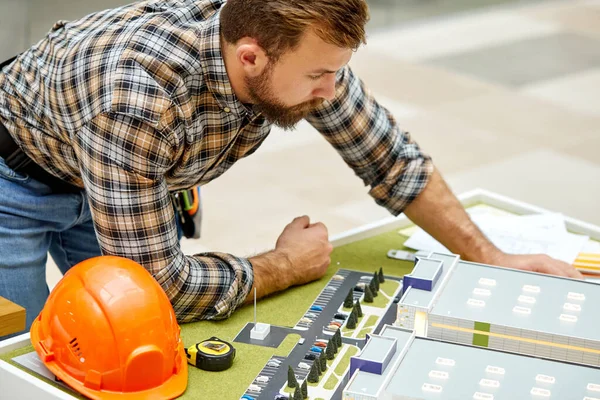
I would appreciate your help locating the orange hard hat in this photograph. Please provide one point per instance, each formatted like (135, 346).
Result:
(109, 331)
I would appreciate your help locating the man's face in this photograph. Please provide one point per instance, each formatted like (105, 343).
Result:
(287, 91)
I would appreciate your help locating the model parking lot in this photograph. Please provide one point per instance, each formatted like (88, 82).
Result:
(323, 300)
(268, 371)
(312, 326)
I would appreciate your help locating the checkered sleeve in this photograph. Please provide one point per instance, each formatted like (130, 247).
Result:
(367, 137)
(123, 163)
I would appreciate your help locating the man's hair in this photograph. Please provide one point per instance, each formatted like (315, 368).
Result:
(278, 25)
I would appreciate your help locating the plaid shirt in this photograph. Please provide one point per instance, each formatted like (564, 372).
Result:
(134, 102)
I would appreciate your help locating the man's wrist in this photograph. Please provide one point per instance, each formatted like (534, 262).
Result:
(484, 252)
(272, 272)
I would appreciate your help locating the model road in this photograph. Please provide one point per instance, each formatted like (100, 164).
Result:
(278, 377)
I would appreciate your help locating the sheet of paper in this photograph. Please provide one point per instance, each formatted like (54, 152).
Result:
(592, 247)
(531, 234)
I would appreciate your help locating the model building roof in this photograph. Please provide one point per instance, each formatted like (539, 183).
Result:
(522, 300)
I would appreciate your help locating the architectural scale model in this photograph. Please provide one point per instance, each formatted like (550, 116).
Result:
(473, 331)
(499, 308)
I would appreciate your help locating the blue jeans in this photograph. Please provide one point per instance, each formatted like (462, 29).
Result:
(33, 223)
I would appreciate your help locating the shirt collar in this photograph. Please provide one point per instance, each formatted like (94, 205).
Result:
(213, 66)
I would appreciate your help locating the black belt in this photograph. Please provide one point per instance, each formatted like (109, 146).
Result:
(20, 162)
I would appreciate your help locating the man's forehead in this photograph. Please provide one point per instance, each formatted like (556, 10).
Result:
(323, 57)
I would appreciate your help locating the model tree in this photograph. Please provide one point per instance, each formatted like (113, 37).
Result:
(358, 309)
(351, 323)
(298, 393)
(318, 367)
(329, 351)
(338, 337)
(313, 375)
(381, 277)
(354, 316)
(334, 345)
(372, 287)
(349, 299)
(376, 280)
(323, 362)
(292, 382)
(304, 389)
(368, 295)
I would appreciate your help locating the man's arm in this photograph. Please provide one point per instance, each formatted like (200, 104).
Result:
(440, 214)
(403, 179)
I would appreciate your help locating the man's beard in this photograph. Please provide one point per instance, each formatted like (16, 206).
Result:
(266, 102)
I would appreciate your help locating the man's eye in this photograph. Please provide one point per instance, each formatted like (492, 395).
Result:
(315, 77)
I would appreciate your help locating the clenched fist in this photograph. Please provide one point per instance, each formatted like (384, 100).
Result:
(307, 248)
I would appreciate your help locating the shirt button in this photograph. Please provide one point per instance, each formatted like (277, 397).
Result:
(227, 109)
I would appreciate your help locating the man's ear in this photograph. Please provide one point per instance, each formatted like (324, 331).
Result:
(252, 58)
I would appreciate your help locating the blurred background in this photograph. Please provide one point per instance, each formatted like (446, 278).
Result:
(504, 94)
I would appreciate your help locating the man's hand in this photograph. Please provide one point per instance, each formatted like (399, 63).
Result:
(307, 248)
(536, 263)
(301, 255)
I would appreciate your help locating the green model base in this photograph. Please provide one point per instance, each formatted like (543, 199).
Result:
(283, 309)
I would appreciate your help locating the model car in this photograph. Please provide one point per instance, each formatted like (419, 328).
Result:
(303, 365)
(254, 388)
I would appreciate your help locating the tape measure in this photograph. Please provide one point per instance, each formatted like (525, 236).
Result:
(212, 354)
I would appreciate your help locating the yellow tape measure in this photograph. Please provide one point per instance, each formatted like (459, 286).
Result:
(212, 354)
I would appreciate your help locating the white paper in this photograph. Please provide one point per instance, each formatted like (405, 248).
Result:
(530, 234)
(591, 247)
